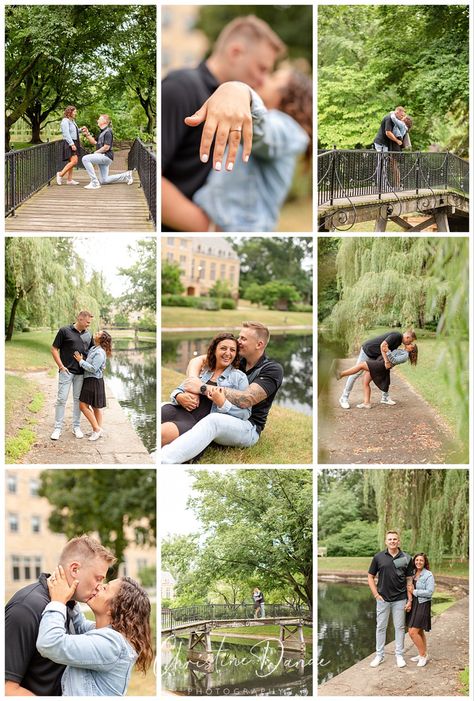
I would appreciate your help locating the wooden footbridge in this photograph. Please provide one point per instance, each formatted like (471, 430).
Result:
(360, 186)
(35, 202)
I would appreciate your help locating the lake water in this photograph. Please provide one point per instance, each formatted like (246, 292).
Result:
(292, 351)
(239, 670)
(131, 374)
(346, 627)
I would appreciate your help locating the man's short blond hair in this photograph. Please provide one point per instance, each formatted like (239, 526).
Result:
(392, 530)
(253, 30)
(85, 548)
(261, 331)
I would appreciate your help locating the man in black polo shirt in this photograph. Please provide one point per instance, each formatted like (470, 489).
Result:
(371, 350)
(245, 51)
(68, 340)
(385, 139)
(395, 571)
(265, 377)
(26, 672)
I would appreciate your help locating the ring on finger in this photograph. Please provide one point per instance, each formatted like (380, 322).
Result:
(236, 129)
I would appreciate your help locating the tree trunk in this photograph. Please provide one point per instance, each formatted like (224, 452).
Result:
(11, 322)
(35, 120)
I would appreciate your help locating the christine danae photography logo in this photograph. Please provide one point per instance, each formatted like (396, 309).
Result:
(261, 656)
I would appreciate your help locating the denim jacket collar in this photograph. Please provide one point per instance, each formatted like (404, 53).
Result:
(226, 373)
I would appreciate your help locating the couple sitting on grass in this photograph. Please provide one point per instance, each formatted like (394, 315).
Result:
(225, 398)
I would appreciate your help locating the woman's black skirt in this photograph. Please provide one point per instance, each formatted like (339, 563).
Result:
(68, 152)
(93, 393)
(379, 373)
(420, 615)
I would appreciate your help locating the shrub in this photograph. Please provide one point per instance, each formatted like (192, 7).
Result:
(228, 304)
(178, 301)
(355, 539)
(209, 304)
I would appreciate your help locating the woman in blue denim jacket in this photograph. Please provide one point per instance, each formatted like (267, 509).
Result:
(71, 146)
(220, 371)
(100, 657)
(419, 619)
(92, 398)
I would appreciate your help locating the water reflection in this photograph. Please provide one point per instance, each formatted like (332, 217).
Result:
(238, 670)
(293, 352)
(346, 627)
(131, 375)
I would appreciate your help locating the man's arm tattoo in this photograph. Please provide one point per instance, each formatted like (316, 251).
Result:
(246, 398)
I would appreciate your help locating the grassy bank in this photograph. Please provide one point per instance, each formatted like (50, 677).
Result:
(278, 443)
(296, 216)
(22, 402)
(361, 565)
(182, 317)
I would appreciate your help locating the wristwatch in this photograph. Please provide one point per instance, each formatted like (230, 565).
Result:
(203, 389)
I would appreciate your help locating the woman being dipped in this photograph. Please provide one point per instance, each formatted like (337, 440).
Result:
(92, 398)
(419, 618)
(71, 146)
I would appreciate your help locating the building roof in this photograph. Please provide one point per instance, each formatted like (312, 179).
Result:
(214, 246)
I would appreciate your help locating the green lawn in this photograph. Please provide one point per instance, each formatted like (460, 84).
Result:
(278, 444)
(182, 317)
(296, 216)
(22, 402)
(361, 565)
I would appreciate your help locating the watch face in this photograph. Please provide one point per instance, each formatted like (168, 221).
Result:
(203, 389)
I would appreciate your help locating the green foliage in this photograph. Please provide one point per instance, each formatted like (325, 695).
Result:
(36, 403)
(220, 288)
(141, 292)
(112, 503)
(171, 278)
(336, 507)
(121, 319)
(464, 681)
(18, 445)
(147, 322)
(228, 304)
(147, 577)
(357, 538)
(368, 69)
(209, 304)
(279, 294)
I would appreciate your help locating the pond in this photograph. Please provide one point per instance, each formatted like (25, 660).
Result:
(346, 627)
(293, 351)
(239, 670)
(131, 374)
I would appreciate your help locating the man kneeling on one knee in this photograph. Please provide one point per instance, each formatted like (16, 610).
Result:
(103, 157)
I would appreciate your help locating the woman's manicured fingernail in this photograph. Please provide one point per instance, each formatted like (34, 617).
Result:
(218, 165)
(204, 158)
(246, 159)
(230, 166)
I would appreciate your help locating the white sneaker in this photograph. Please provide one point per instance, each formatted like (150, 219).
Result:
(422, 661)
(129, 177)
(400, 661)
(78, 433)
(414, 659)
(92, 186)
(344, 403)
(55, 434)
(73, 182)
(376, 661)
(387, 401)
(364, 406)
(96, 435)
(59, 179)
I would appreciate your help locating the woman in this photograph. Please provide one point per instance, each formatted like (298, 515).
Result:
(101, 656)
(71, 145)
(419, 618)
(378, 371)
(219, 371)
(250, 198)
(92, 398)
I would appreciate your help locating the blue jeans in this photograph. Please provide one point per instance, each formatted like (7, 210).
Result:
(398, 616)
(220, 428)
(65, 380)
(104, 163)
(352, 378)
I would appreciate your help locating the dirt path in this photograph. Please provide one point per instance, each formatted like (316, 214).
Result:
(410, 432)
(448, 654)
(120, 445)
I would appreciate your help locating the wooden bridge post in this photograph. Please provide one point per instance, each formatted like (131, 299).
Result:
(199, 648)
(292, 638)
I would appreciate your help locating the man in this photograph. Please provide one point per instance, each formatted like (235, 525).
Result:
(395, 572)
(259, 603)
(103, 157)
(85, 560)
(265, 377)
(385, 138)
(245, 51)
(371, 350)
(68, 340)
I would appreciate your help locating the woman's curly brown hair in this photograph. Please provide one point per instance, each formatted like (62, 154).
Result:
(69, 110)
(425, 558)
(297, 102)
(130, 613)
(105, 342)
(211, 351)
(413, 354)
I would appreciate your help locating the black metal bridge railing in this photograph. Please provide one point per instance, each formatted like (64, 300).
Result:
(349, 174)
(28, 170)
(143, 159)
(171, 618)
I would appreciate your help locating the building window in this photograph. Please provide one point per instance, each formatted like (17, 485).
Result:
(169, 256)
(213, 271)
(170, 241)
(232, 274)
(202, 270)
(183, 243)
(222, 271)
(35, 524)
(15, 568)
(34, 487)
(37, 566)
(27, 568)
(11, 483)
(142, 563)
(182, 260)
(13, 523)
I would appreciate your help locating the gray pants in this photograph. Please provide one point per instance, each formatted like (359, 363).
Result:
(398, 616)
(352, 378)
(104, 163)
(65, 381)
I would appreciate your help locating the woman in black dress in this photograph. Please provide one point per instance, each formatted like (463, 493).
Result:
(419, 618)
(378, 370)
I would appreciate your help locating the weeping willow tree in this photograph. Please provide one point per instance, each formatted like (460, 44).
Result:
(45, 283)
(433, 505)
